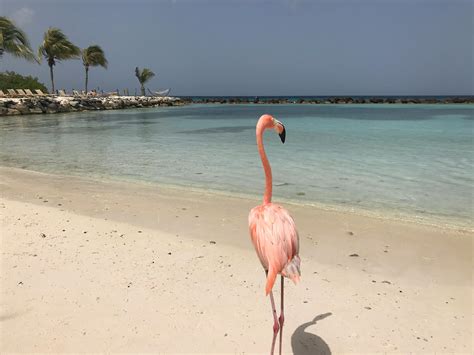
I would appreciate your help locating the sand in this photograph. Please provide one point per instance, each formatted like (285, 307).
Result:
(90, 266)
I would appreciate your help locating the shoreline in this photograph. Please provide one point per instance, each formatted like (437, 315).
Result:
(389, 216)
(16, 183)
(119, 267)
(48, 104)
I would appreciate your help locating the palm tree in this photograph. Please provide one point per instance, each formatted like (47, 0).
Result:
(143, 76)
(93, 56)
(14, 41)
(55, 47)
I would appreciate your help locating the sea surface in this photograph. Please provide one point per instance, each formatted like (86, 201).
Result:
(411, 162)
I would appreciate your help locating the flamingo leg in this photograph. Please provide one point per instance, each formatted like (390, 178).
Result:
(282, 317)
(276, 326)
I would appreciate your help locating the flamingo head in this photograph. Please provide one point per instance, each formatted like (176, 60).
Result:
(271, 122)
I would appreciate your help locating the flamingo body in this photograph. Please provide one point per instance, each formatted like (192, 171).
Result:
(276, 242)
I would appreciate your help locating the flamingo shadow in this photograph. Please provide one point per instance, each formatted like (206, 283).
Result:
(304, 343)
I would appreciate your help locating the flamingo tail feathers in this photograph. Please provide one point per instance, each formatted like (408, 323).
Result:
(292, 269)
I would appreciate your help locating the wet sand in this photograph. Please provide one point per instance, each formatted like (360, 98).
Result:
(90, 266)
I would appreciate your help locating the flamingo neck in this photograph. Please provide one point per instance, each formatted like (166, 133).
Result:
(267, 196)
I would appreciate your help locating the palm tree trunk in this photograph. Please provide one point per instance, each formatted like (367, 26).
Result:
(143, 90)
(87, 76)
(52, 79)
(2, 48)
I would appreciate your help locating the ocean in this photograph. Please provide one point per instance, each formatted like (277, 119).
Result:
(409, 162)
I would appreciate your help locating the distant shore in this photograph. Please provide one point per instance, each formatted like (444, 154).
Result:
(330, 99)
(28, 105)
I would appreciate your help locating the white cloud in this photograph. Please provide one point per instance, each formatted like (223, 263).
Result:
(23, 16)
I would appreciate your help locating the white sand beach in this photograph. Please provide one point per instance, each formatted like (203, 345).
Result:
(92, 266)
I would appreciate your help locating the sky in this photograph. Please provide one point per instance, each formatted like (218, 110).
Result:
(260, 47)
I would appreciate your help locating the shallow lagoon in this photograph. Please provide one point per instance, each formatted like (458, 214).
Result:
(402, 161)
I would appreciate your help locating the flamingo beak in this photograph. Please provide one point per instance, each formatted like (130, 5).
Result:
(282, 134)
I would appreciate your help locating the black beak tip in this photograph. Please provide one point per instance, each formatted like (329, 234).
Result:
(283, 135)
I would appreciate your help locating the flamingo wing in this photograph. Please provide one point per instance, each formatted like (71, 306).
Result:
(276, 242)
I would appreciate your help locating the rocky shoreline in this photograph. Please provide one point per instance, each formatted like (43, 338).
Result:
(62, 104)
(331, 100)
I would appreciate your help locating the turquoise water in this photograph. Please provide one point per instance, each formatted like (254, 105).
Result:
(407, 161)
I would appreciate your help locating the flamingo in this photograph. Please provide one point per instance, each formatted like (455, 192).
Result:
(273, 232)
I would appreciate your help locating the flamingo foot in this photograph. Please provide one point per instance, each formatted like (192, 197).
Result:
(276, 329)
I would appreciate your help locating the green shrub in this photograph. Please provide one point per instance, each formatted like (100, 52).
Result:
(12, 80)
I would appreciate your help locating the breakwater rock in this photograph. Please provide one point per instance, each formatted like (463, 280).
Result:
(58, 104)
(332, 100)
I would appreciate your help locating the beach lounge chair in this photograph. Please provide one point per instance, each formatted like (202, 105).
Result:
(62, 93)
(2, 94)
(20, 92)
(39, 92)
(11, 92)
(28, 92)
(76, 93)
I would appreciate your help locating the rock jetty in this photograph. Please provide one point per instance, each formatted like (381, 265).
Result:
(332, 100)
(60, 104)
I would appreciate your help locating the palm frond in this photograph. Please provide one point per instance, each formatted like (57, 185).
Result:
(143, 75)
(56, 46)
(94, 56)
(14, 41)
(147, 74)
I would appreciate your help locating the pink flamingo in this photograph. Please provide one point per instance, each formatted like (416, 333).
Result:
(273, 232)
